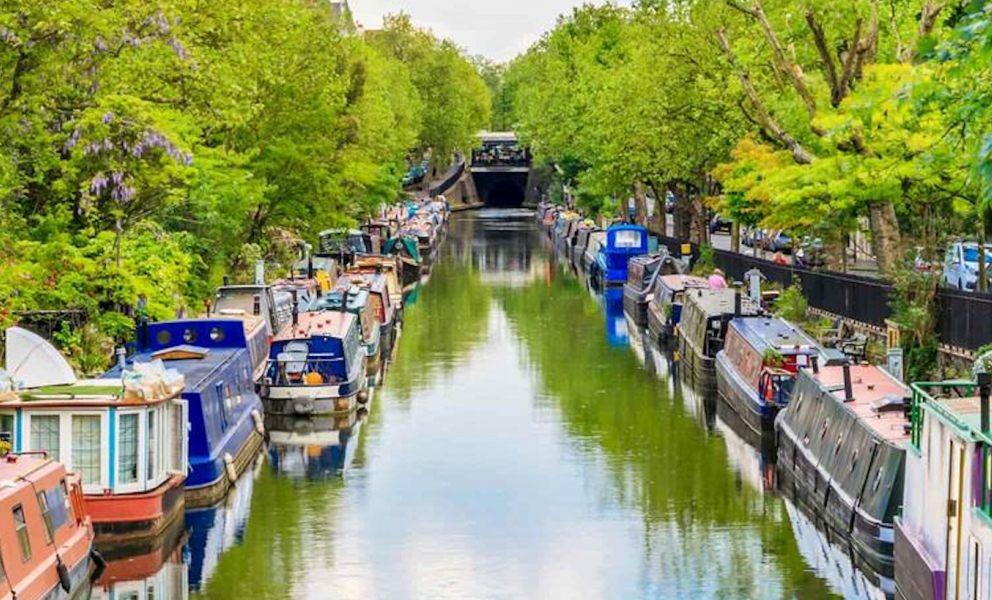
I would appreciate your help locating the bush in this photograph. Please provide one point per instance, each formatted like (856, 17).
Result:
(704, 263)
(791, 304)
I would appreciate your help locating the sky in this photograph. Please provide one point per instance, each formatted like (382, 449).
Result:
(496, 29)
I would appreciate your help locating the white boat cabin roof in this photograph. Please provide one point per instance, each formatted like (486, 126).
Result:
(331, 323)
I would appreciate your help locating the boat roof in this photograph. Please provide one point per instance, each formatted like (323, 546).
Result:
(597, 236)
(196, 370)
(15, 467)
(91, 392)
(720, 302)
(678, 283)
(328, 323)
(777, 333)
(874, 390)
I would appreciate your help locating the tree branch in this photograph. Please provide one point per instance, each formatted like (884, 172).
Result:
(791, 69)
(823, 47)
(800, 154)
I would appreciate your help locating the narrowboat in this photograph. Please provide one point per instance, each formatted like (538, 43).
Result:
(46, 537)
(349, 297)
(756, 370)
(382, 307)
(943, 535)
(702, 328)
(642, 273)
(596, 240)
(388, 268)
(665, 305)
(226, 426)
(344, 244)
(842, 451)
(405, 247)
(582, 243)
(623, 242)
(262, 310)
(323, 269)
(380, 231)
(126, 435)
(314, 453)
(316, 367)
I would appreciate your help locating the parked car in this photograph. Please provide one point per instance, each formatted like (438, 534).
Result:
(719, 223)
(752, 237)
(811, 253)
(777, 241)
(669, 202)
(961, 265)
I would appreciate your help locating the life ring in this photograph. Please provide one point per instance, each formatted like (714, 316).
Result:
(259, 422)
(232, 472)
(363, 396)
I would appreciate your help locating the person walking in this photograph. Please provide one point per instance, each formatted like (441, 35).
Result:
(717, 280)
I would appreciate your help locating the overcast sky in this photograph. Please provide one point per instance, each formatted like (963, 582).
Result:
(498, 29)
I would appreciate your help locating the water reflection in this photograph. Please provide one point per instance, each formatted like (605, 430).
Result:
(513, 452)
(616, 320)
(213, 531)
(152, 571)
(313, 448)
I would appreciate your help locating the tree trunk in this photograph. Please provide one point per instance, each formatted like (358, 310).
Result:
(660, 222)
(983, 271)
(886, 239)
(640, 205)
(682, 211)
(735, 236)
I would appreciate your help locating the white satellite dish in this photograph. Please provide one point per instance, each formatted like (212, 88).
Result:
(33, 362)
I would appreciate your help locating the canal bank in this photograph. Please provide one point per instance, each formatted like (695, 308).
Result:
(514, 453)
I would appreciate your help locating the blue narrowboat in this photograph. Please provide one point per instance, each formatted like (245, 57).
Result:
(316, 367)
(623, 242)
(225, 413)
(349, 297)
(756, 370)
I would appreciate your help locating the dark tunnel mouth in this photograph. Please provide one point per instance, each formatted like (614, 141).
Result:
(505, 194)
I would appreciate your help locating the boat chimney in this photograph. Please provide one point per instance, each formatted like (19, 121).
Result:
(121, 358)
(256, 308)
(848, 386)
(737, 302)
(296, 308)
(309, 266)
(984, 387)
(259, 272)
(227, 280)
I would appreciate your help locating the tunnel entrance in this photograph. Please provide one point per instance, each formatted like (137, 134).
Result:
(505, 194)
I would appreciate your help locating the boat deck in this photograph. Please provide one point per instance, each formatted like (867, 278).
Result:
(873, 388)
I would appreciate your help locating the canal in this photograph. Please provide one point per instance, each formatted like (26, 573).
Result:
(519, 449)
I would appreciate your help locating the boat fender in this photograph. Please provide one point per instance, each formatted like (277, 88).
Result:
(100, 565)
(363, 396)
(64, 578)
(232, 473)
(259, 422)
(303, 406)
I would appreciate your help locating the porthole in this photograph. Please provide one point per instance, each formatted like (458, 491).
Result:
(163, 337)
(189, 335)
(840, 439)
(216, 334)
(826, 425)
(854, 459)
(878, 480)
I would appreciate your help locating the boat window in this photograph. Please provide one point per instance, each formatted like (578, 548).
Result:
(163, 337)
(86, 448)
(627, 239)
(152, 446)
(21, 526)
(43, 503)
(54, 508)
(216, 334)
(127, 441)
(7, 429)
(45, 434)
(878, 480)
(66, 500)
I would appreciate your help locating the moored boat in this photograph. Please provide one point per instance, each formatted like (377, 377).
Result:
(841, 453)
(389, 268)
(756, 369)
(225, 413)
(262, 311)
(126, 435)
(665, 306)
(405, 248)
(582, 243)
(623, 242)
(348, 296)
(316, 367)
(596, 240)
(702, 328)
(943, 536)
(642, 273)
(46, 537)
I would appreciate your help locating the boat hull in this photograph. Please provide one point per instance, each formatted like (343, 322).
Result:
(311, 400)
(132, 518)
(636, 306)
(699, 369)
(211, 493)
(740, 398)
(659, 326)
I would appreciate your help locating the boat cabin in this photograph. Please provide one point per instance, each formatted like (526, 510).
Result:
(356, 300)
(623, 242)
(670, 290)
(706, 315)
(767, 352)
(263, 311)
(345, 243)
(321, 268)
(596, 240)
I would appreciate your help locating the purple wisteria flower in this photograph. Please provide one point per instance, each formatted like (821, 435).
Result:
(99, 184)
(108, 118)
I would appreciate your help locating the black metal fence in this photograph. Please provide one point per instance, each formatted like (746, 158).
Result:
(964, 320)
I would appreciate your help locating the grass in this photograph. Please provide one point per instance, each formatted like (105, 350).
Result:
(73, 391)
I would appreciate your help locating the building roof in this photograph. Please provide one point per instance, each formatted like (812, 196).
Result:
(330, 323)
(774, 332)
(507, 137)
(878, 398)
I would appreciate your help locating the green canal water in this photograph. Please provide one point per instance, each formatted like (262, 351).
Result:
(515, 453)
